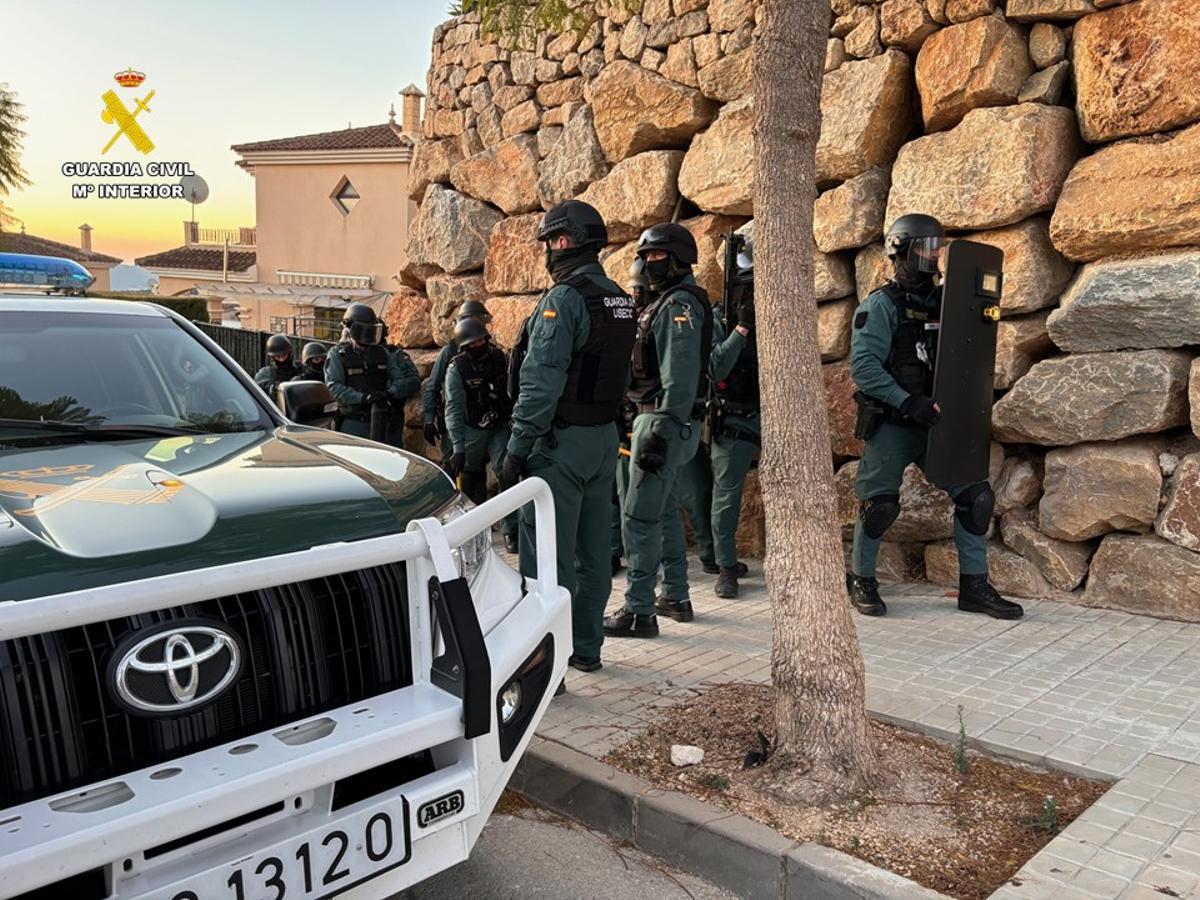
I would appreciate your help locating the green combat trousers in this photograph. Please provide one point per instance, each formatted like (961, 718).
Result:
(482, 446)
(578, 462)
(731, 460)
(694, 488)
(616, 541)
(880, 471)
(652, 528)
(362, 428)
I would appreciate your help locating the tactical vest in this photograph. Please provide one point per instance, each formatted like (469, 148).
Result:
(646, 384)
(310, 373)
(484, 380)
(914, 346)
(280, 374)
(439, 400)
(366, 368)
(738, 392)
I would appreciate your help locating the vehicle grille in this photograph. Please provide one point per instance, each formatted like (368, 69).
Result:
(309, 647)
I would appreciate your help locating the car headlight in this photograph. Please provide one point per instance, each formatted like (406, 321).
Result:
(468, 557)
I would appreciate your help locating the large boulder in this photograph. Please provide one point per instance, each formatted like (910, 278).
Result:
(638, 192)
(516, 262)
(1046, 86)
(505, 175)
(871, 270)
(636, 109)
(431, 163)
(1017, 157)
(1017, 486)
(905, 24)
(1145, 575)
(1062, 563)
(1092, 489)
(1095, 397)
(851, 214)
(446, 294)
(842, 410)
(574, 162)
(1131, 304)
(833, 276)
(1137, 69)
(982, 62)
(451, 232)
(1049, 10)
(1010, 573)
(866, 113)
(407, 318)
(508, 314)
(727, 78)
(926, 513)
(1140, 194)
(1179, 521)
(896, 563)
(1194, 396)
(1035, 274)
(833, 330)
(718, 170)
(1020, 342)
(1047, 45)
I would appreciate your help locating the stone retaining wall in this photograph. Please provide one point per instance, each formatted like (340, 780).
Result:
(1064, 131)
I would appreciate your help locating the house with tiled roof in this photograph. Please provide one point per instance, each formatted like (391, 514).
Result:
(98, 264)
(332, 218)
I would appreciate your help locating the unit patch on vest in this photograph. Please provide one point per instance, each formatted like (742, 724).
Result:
(861, 319)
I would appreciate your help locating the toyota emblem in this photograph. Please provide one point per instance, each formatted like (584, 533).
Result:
(175, 667)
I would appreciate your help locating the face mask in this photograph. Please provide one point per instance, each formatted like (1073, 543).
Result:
(561, 263)
(477, 350)
(658, 272)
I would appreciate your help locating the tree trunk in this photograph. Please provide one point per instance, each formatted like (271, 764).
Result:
(817, 666)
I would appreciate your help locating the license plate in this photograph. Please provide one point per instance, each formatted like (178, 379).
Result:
(322, 863)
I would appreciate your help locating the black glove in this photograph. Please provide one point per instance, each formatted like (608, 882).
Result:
(455, 464)
(431, 433)
(921, 409)
(512, 470)
(370, 398)
(652, 454)
(745, 312)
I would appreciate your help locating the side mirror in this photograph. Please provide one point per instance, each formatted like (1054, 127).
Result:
(307, 403)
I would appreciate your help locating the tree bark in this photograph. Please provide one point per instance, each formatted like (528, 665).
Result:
(817, 666)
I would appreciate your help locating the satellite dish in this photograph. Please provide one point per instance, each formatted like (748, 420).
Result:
(195, 188)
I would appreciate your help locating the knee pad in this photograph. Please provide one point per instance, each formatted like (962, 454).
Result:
(878, 514)
(974, 508)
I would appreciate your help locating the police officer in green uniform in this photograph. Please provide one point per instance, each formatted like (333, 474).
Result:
(362, 373)
(432, 392)
(737, 429)
(670, 362)
(280, 365)
(478, 414)
(312, 358)
(892, 350)
(638, 288)
(571, 366)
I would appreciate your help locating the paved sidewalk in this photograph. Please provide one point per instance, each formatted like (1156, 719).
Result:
(1091, 691)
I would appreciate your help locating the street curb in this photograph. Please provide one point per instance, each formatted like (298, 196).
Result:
(734, 852)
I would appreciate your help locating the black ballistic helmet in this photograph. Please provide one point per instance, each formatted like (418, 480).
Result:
(313, 350)
(913, 243)
(579, 221)
(673, 238)
(362, 325)
(637, 275)
(469, 330)
(279, 343)
(474, 309)
(745, 262)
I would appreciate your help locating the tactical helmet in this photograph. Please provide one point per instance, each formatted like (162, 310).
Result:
(278, 344)
(913, 243)
(468, 331)
(637, 275)
(313, 350)
(671, 237)
(362, 325)
(745, 261)
(577, 220)
(474, 309)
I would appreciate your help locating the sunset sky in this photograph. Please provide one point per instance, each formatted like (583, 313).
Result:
(224, 73)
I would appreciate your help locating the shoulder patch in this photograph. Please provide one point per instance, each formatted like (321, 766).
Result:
(860, 319)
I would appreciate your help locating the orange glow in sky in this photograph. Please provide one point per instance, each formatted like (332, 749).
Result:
(223, 73)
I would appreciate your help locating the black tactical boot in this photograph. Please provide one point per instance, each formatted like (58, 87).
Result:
(975, 594)
(510, 543)
(628, 624)
(709, 566)
(727, 585)
(864, 594)
(585, 663)
(679, 610)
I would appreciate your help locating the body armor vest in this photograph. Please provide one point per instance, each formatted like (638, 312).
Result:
(484, 380)
(914, 345)
(366, 367)
(280, 374)
(646, 385)
(738, 392)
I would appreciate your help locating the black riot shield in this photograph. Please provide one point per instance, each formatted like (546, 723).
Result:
(964, 370)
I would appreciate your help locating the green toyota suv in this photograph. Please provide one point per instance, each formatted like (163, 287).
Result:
(240, 656)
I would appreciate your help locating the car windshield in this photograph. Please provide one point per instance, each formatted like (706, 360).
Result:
(96, 372)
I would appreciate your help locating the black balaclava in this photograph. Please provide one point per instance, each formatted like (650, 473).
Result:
(561, 263)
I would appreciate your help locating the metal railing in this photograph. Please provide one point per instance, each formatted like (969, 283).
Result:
(237, 237)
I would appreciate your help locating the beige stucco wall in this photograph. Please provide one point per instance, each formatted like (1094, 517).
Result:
(169, 287)
(101, 274)
(300, 227)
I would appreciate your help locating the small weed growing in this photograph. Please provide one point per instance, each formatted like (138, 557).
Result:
(715, 781)
(1046, 820)
(962, 762)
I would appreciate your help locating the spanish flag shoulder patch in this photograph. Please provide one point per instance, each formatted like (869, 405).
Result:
(550, 314)
(681, 319)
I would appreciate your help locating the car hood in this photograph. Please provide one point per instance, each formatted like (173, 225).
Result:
(88, 514)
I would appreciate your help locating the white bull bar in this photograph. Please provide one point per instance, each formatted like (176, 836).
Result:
(49, 839)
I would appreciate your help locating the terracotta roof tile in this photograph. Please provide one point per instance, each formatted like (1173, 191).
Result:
(366, 138)
(205, 258)
(11, 242)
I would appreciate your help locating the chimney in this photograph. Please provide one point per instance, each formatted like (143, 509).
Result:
(85, 237)
(411, 109)
(191, 233)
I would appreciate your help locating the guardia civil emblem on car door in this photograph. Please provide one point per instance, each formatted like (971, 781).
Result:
(174, 667)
